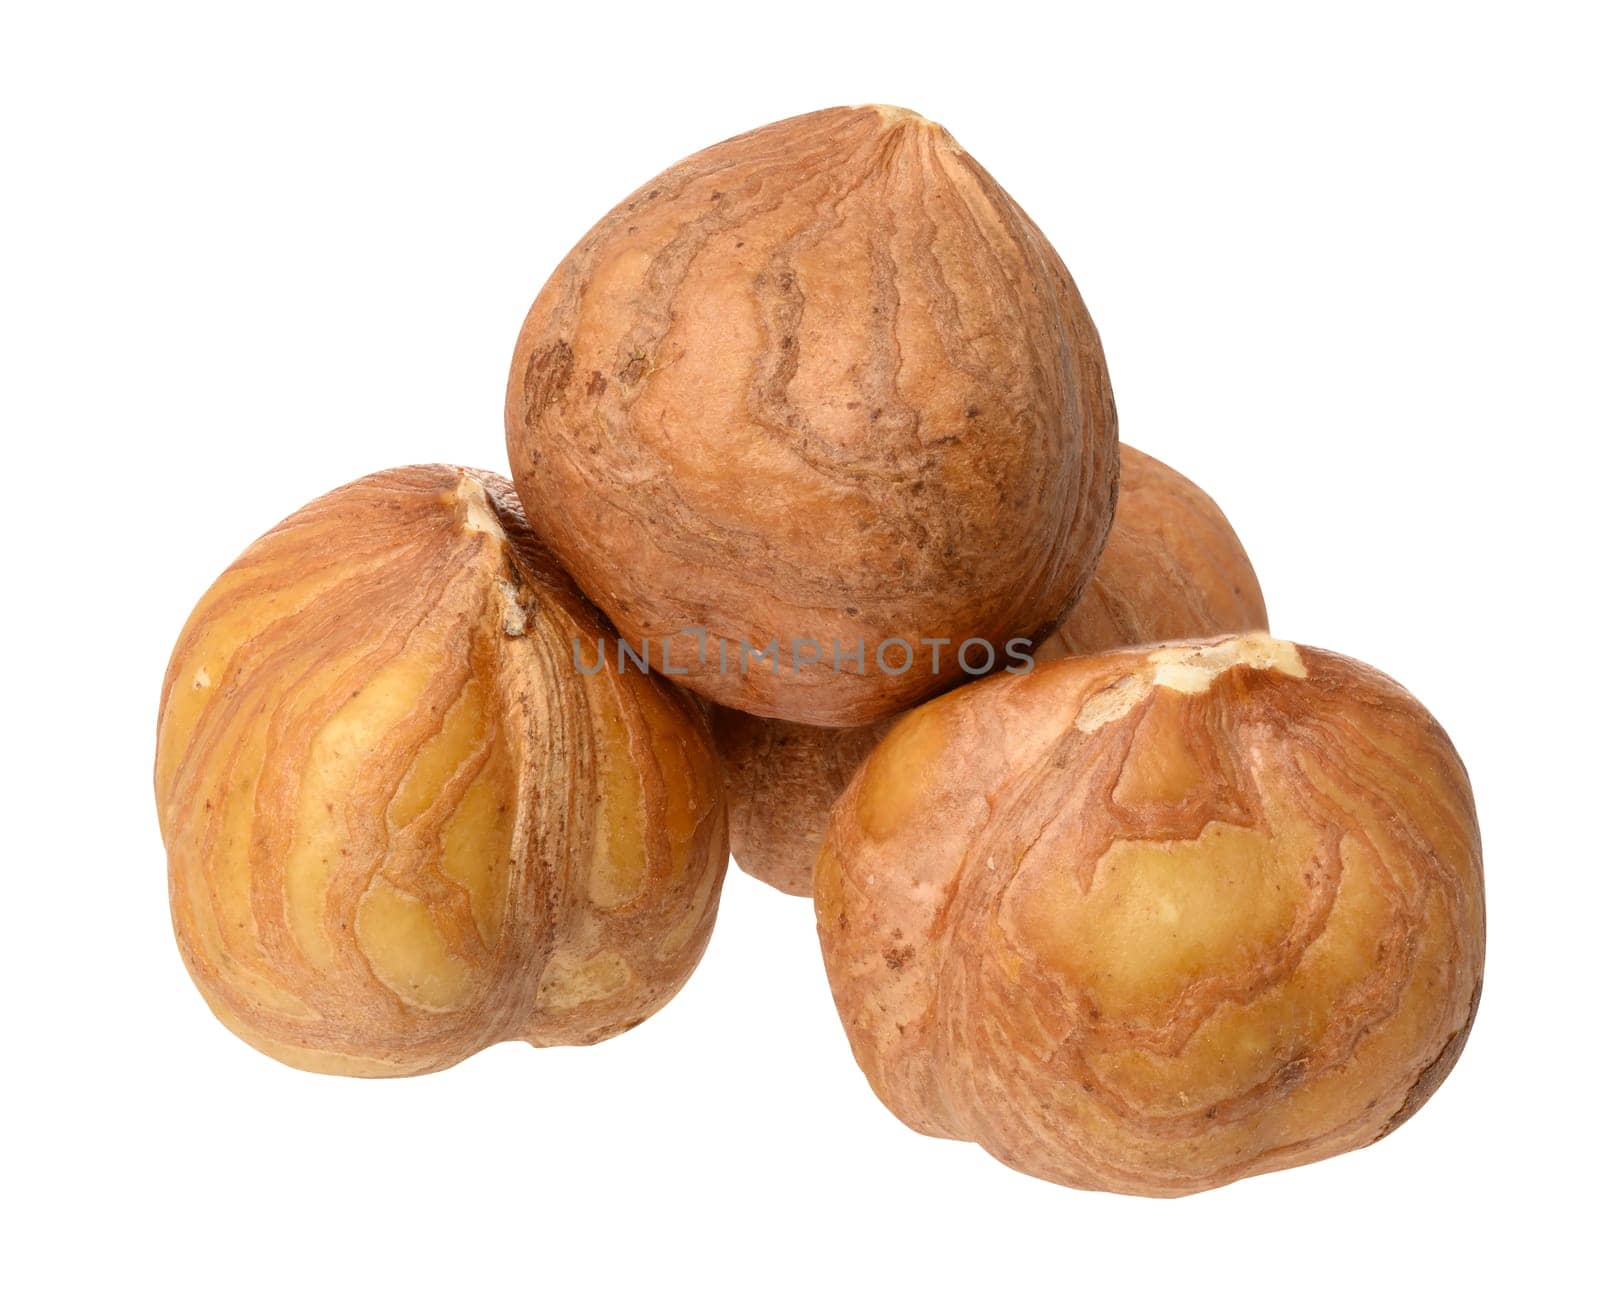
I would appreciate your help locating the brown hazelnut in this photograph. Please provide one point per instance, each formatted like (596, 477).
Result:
(823, 383)
(401, 824)
(1172, 568)
(1155, 920)
(782, 779)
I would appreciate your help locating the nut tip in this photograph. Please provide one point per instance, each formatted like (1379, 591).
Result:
(894, 113)
(1192, 669)
(893, 116)
(477, 512)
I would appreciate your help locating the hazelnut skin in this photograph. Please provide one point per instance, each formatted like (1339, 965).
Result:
(1172, 568)
(824, 381)
(781, 780)
(1155, 920)
(401, 825)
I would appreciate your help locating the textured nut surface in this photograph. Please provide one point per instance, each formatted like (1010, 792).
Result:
(1172, 568)
(782, 778)
(1155, 920)
(400, 824)
(824, 380)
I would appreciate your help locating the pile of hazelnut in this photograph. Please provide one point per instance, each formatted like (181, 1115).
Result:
(820, 537)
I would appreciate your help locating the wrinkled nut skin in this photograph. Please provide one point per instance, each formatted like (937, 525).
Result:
(1155, 920)
(400, 824)
(824, 380)
(781, 780)
(1172, 568)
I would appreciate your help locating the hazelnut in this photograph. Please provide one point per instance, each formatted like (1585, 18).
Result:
(782, 779)
(1172, 568)
(1158, 919)
(401, 824)
(821, 383)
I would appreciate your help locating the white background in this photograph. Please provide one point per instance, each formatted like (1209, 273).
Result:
(1343, 260)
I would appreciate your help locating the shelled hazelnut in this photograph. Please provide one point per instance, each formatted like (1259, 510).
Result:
(827, 382)
(1158, 919)
(401, 824)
